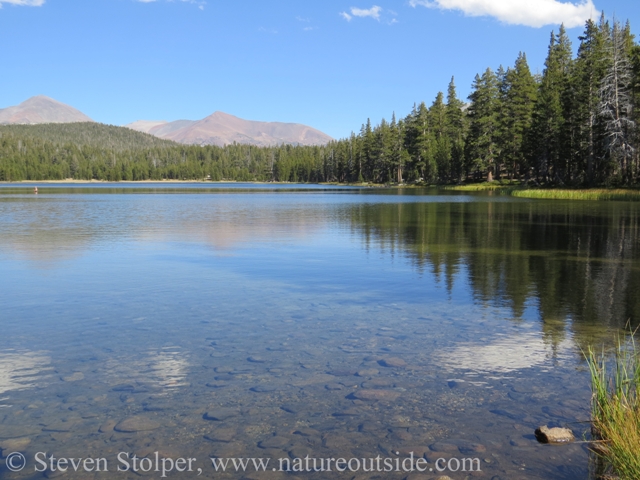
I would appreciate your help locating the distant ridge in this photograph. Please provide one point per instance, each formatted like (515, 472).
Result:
(217, 129)
(41, 109)
(223, 129)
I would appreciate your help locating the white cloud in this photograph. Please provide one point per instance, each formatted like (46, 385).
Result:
(346, 16)
(532, 13)
(373, 12)
(24, 3)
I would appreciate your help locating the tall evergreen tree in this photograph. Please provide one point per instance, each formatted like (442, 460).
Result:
(438, 122)
(455, 131)
(520, 92)
(420, 144)
(482, 140)
(548, 118)
(589, 70)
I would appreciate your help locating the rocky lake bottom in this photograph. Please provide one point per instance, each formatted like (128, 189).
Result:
(213, 339)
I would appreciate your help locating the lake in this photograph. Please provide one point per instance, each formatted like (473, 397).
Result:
(201, 321)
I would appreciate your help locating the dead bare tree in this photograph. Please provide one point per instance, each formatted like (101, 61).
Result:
(616, 105)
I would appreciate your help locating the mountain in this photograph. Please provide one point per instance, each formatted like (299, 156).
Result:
(41, 109)
(223, 129)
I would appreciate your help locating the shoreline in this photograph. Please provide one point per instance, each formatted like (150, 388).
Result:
(508, 188)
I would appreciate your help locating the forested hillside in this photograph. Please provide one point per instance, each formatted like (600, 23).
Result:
(575, 124)
(86, 134)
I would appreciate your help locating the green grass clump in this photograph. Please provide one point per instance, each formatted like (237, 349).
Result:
(484, 186)
(586, 194)
(517, 189)
(615, 410)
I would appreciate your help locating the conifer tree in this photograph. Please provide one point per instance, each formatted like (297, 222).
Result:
(438, 122)
(589, 70)
(548, 118)
(455, 131)
(520, 94)
(482, 140)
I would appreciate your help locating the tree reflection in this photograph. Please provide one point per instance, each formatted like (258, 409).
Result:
(578, 261)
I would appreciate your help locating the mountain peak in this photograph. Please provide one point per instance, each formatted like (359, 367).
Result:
(222, 128)
(42, 109)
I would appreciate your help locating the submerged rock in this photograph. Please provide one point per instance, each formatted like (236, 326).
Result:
(334, 386)
(263, 389)
(373, 395)
(17, 431)
(222, 435)
(274, 442)
(220, 414)
(136, 424)
(545, 434)
(392, 362)
(15, 444)
(107, 426)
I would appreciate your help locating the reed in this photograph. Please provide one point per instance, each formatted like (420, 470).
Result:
(586, 194)
(615, 410)
(516, 189)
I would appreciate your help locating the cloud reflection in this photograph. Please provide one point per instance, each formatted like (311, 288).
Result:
(165, 368)
(20, 371)
(508, 353)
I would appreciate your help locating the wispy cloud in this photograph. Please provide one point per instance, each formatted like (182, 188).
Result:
(24, 3)
(531, 13)
(272, 31)
(373, 12)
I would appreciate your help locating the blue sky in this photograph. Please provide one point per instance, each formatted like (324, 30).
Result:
(329, 64)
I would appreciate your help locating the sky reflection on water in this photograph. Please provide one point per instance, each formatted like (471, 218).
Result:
(284, 305)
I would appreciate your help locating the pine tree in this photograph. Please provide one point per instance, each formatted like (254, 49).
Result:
(420, 144)
(586, 78)
(438, 123)
(455, 131)
(482, 148)
(519, 97)
(548, 118)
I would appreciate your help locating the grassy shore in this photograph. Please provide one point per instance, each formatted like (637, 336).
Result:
(615, 411)
(515, 189)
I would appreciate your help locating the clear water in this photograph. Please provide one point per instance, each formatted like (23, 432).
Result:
(282, 305)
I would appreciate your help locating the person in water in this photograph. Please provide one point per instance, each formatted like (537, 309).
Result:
(35, 190)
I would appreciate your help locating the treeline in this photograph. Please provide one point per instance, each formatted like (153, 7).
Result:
(575, 124)
(34, 158)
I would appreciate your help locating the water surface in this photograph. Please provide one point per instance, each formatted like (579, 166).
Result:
(247, 321)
